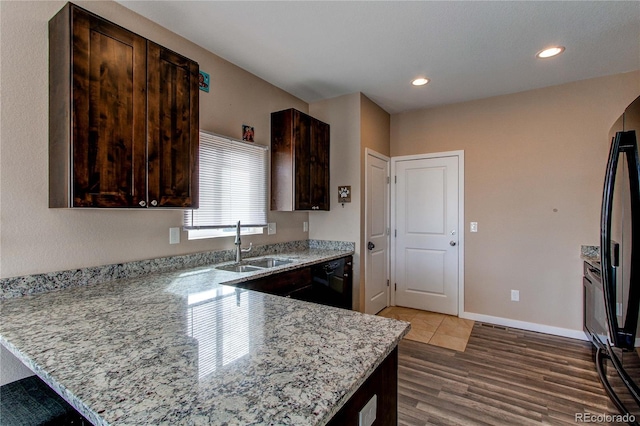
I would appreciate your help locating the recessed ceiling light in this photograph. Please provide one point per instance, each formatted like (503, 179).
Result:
(420, 81)
(549, 52)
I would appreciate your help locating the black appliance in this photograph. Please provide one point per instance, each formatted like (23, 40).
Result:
(331, 284)
(612, 301)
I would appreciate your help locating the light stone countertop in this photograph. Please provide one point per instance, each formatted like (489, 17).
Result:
(180, 348)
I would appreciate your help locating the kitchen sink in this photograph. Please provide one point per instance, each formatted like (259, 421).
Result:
(255, 265)
(239, 268)
(268, 262)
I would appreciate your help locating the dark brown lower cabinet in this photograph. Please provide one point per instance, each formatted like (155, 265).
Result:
(282, 284)
(327, 283)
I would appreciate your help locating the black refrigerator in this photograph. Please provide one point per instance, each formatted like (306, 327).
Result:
(618, 352)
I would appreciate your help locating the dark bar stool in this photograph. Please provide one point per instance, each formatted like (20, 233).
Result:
(31, 402)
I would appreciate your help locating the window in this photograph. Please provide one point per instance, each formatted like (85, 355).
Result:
(233, 187)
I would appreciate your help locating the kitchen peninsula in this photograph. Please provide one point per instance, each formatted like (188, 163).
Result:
(183, 348)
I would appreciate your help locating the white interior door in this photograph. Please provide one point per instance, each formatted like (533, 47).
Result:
(376, 287)
(426, 258)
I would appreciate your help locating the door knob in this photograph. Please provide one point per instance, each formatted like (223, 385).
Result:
(452, 243)
(371, 246)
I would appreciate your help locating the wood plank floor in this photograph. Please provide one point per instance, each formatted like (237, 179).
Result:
(504, 377)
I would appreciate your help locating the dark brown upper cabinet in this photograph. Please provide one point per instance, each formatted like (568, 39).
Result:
(299, 162)
(172, 128)
(123, 117)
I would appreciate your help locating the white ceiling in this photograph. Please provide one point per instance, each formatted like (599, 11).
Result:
(469, 49)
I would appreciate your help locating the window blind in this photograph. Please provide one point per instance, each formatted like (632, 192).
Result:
(233, 184)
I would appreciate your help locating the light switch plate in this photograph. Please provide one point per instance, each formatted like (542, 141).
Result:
(305, 226)
(515, 295)
(474, 227)
(367, 415)
(174, 235)
(271, 228)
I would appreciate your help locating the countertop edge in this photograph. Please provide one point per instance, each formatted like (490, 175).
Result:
(63, 392)
(321, 255)
(341, 403)
(97, 420)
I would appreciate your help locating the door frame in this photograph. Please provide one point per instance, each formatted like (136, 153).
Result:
(461, 228)
(369, 152)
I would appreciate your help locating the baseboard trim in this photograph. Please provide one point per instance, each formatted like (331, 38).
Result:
(523, 325)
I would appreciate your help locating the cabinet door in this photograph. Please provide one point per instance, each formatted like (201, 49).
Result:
(302, 160)
(299, 162)
(280, 284)
(173, 136)
(282, 151)
(109, 102)
(319, 165)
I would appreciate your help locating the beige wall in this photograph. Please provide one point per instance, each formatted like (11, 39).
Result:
(534, 170)
(375, 127)
(375, 134)
(34, 238)
(356, 123)
(341, 223)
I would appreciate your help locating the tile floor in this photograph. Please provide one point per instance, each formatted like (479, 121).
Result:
(435, 329)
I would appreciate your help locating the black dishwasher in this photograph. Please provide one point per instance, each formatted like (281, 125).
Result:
(331, 284)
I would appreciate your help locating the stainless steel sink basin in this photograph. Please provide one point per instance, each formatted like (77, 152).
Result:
(239, 268)
(255, 265)
(268, 262)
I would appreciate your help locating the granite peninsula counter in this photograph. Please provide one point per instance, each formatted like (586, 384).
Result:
(183, 348)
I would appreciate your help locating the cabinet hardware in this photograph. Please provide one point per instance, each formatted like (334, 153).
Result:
(143, 203)
(154, 203)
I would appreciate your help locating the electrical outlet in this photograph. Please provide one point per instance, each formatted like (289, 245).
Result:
(305, 226)
(473, 227)
(367, 415)
(271, 228)
(515, 295)
(174, 235)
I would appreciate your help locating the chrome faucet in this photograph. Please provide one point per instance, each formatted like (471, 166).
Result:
(238, 243)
